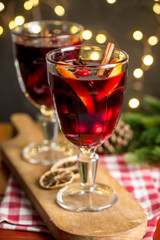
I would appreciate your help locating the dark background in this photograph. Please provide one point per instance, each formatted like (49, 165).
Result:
(118, 21)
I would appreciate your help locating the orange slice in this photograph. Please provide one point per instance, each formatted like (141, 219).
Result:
(78, 88)
(82, 93)
(116, 70)
(74, 40)
(109, 87)
(116, 74)
(64, 72)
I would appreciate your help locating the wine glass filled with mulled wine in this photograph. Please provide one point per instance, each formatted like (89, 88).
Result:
(88, 85)
(31, 42)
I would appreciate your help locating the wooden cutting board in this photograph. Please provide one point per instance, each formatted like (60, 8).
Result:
(125, 220)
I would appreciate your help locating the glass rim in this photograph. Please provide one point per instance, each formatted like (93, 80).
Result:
(108, 65)
(13, 31)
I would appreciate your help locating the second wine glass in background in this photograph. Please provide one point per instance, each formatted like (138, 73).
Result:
(31, 42)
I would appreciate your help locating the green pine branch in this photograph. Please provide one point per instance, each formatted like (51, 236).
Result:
(151, 104)
(144, 147)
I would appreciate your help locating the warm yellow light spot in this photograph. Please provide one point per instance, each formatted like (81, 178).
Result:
(156, 8)
(1, 6)
(138, 73)
(74, 29)
(19, 20)
(133, 103)
(110, 1)
(59, 10)
(138, 35)
(87, 34)
(12, 24)
(147, 60)
(35, 2)
(1, 30)
(153, 40)
(28, 5)
(94, 56)
(101, 38)
(35, 28)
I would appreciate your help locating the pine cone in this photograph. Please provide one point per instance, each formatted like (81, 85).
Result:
(119, 138)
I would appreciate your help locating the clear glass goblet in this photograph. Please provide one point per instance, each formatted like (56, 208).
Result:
(31, 42)
(88, 98)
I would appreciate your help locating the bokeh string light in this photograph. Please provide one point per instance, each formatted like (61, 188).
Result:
(59, 10)
(138, 35)
(87, 34)
(12, 24)
(1, 7)
(138, 73)
(156, 8)
(101, 38)
(110, 1)
(153, 40)
(1, 30)
(134, 103)
(147, 60)
(11, 21)
(19, 20)
(28, 5)
(35, 2)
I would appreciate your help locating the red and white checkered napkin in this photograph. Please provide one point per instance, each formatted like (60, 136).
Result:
(142, 183)
(16, 211)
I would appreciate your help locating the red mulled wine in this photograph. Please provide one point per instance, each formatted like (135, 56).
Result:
(88, 106)
(30, 59)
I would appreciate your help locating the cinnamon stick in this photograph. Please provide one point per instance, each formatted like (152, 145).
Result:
(106, 58)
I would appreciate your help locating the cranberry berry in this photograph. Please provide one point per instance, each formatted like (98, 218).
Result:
(82, 73)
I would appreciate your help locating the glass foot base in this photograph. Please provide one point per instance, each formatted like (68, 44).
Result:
(77, 198)
(47, 153)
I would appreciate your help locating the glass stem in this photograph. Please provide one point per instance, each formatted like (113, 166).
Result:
(49, 126)
(88, 161)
